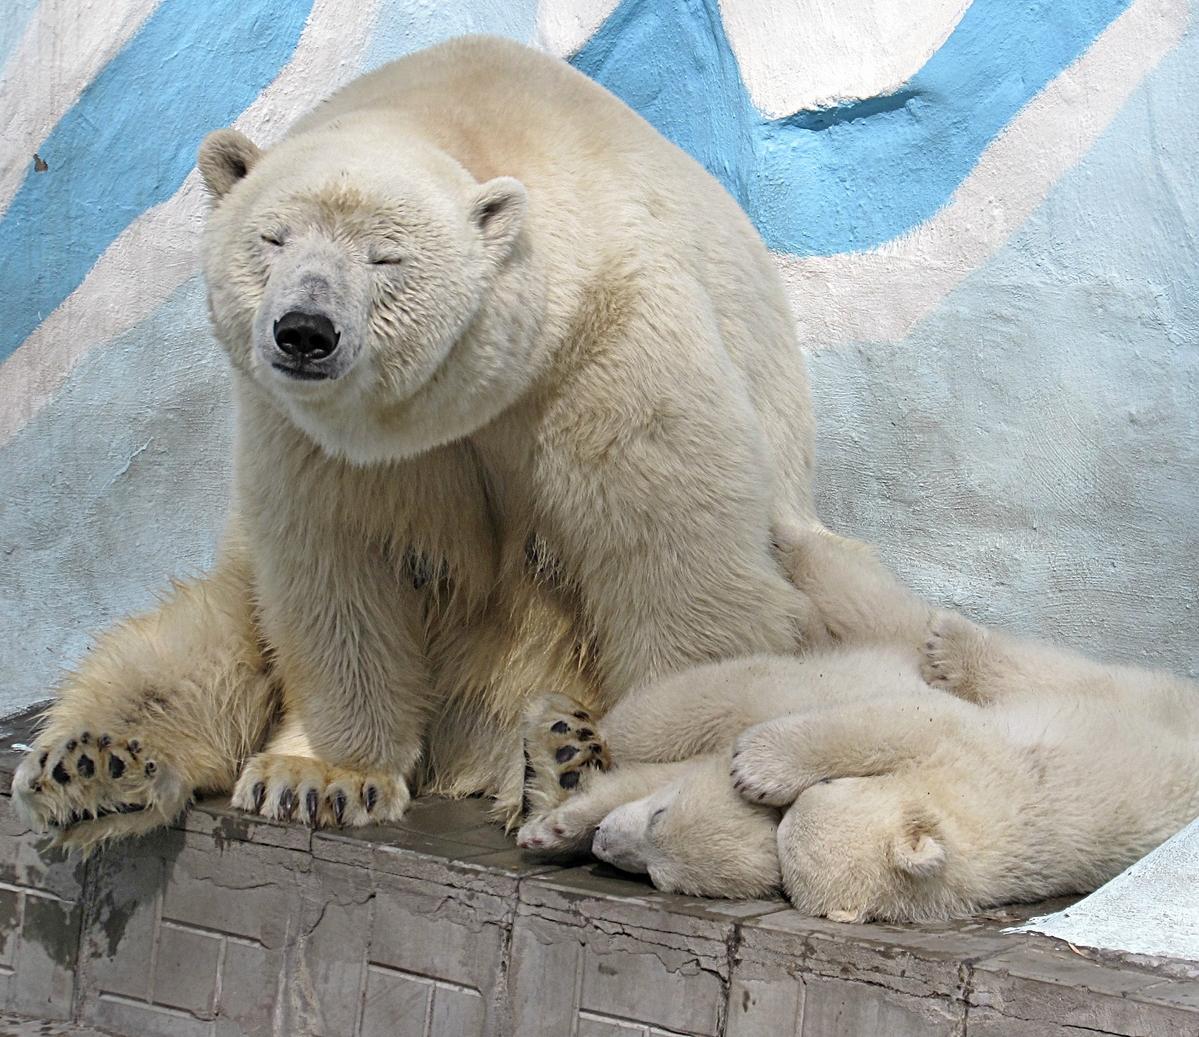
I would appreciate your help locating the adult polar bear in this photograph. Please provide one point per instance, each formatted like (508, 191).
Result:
(518, 402)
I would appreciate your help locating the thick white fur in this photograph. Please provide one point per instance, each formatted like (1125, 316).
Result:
(565, 410)
(1024, 772)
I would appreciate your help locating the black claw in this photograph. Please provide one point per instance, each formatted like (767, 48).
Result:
(85, 737)
(371, 796)
(150, 768)
(287, 802)
(60, 774)
(560, 727)
(312, 803)
(582, 714)
(85, 766)
(116, 766)
(339, 805)
(135, 746)
(104, 741)
(596, 748)
(259, 795)
(569, 780)
(585, 733)
(71, 745)
(567, 752)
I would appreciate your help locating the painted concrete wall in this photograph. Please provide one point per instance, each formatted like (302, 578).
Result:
(986, 213)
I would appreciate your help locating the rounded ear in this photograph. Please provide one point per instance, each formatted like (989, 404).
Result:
(498, 211)
(225, 157)
(917, 848)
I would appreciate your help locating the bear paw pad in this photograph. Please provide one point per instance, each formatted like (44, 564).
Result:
(91, 785)
(561, 746)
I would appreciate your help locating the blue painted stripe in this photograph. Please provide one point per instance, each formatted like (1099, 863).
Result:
(131, 139)
(852, 177)
(17, 14)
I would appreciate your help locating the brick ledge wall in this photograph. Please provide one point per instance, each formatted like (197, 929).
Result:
(439, 928)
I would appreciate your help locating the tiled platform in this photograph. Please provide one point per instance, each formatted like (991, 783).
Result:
(440, 928)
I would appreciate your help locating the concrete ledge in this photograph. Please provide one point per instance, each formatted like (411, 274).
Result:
(438, 927)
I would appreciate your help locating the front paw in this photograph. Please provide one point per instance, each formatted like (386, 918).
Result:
(764, 766)
(285, 788)
(564, 831)
(96, 784)
(949, 658)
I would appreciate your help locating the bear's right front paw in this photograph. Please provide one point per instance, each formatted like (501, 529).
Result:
(764, 766)
(92, 786)
(286, 787)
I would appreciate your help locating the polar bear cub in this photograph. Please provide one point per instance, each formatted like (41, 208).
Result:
(925, 769)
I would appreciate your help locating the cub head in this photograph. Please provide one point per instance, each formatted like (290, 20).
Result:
(364, 280)
(857, 849)
(695, 836)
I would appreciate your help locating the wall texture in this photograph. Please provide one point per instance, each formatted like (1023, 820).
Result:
(986, 213)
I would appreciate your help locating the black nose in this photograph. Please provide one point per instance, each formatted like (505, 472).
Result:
(305, 336)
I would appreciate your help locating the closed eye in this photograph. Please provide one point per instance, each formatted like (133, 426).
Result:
(653, 818)
(270, 240)
(387, 261)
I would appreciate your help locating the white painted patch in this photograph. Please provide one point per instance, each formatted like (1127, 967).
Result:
(156, 253)
(75, 38)
(809, 54)
(1152, 908)
(563, 26)
(880, 296)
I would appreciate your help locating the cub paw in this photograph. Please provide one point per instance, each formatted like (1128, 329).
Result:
(286, 788)
(764, 768)
(949, 655)
(566, 830)
(93, 785)
(561, 745)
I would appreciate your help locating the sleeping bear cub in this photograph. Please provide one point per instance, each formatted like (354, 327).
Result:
(924, 767)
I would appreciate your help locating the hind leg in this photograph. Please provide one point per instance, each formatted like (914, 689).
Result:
(856, 597)
(166, 704)
(562, 749)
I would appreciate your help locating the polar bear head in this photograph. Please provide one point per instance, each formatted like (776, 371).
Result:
(695, 836)
(856, 849)
(368, 284)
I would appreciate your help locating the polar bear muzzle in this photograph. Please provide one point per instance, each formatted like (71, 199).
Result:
(304, 340)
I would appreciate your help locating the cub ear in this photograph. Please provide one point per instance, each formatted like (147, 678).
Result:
(917, 847)
(498, 210)
(225, 157)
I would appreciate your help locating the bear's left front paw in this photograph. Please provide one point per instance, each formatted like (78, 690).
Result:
(283, 788)
(764, 768)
